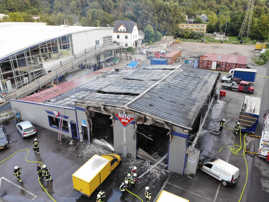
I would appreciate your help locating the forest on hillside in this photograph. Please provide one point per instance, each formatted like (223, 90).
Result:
(162, 15)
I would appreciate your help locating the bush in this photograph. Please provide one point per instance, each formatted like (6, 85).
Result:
(262, 59)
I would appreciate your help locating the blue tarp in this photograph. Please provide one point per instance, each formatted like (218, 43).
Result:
(133, 64)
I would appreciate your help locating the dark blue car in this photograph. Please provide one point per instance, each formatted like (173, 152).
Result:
(3, 138)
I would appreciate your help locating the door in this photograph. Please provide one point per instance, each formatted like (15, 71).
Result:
(85, 134)
(214, 65)
(74, 130)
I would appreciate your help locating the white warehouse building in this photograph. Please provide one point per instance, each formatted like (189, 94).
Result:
(30, 50)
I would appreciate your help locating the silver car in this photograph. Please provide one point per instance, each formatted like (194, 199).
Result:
(26, 129)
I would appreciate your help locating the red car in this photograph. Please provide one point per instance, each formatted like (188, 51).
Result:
(246, 87)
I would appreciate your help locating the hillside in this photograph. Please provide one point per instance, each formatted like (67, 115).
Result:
(163, 15)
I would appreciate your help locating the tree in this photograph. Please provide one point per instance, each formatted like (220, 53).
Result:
(149, 34)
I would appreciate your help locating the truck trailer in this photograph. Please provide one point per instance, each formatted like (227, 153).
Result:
(94, 172)
(240, 74)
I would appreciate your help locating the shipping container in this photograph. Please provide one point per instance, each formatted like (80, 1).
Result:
(166, 196)
(158, 61)
(173, 56)
(222, 62)
(94, 172)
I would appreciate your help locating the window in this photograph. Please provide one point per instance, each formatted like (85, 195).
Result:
(53, 122)
(97, 42)
(118, 36)
(65, 126)
(126, 37)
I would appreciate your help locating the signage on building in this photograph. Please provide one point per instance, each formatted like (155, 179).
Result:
(124, 118)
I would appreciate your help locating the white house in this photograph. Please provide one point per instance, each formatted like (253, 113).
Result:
(126, 33)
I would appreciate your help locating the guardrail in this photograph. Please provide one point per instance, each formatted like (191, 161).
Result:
(62, 68)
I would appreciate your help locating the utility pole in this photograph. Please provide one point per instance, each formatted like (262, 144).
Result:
(245, 27)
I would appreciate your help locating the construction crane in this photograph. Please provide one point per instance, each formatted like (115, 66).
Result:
(245, 27)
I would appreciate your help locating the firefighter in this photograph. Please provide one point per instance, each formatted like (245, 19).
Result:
(237, 128)
(221, 124)
(133, 179)
(129, 178)
(133, 169)
(39, 171)
(45, 174)
(36, 146)
(17, 173)
(101, 196)
(124, 186)
(147, 194)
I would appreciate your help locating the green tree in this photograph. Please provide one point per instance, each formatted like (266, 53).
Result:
(149, 34)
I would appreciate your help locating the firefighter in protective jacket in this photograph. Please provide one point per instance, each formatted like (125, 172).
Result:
(45, 174)
(237, 128)
(221, 124)
(147, 194)
(17, 173)
(36, 146)
(101, 196)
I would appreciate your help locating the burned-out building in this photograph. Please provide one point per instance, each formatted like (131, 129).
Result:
(152, 109)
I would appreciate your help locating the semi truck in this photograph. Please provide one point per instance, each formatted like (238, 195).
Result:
(94, 172)
(240, 74)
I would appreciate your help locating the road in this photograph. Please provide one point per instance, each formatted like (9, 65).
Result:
(259, 177)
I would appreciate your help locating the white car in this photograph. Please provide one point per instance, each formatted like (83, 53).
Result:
(26, 129)
(225, 172)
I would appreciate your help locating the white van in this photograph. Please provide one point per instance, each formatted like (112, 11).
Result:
(225, 172)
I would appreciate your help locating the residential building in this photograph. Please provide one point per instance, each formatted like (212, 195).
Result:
(126, 33)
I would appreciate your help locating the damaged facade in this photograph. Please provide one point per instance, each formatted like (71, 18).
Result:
(152, 110)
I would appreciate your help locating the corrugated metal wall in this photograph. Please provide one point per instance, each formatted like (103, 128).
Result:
(86, 40)
(177, 152)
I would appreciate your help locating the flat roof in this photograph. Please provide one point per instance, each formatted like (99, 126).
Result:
(173, 93)
(91, 168)
(17, 36)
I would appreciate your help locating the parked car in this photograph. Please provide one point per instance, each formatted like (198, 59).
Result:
(3, 138)
(26, 129)
(221, 170)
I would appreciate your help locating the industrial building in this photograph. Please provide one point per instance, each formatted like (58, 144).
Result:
(156, 109)
(194, 27)
(30, 50)
(222, 62)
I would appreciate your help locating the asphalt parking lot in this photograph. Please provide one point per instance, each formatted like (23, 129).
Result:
(62, 160)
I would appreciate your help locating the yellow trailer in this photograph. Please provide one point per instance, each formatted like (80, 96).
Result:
(94, 172)
(166, 196)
